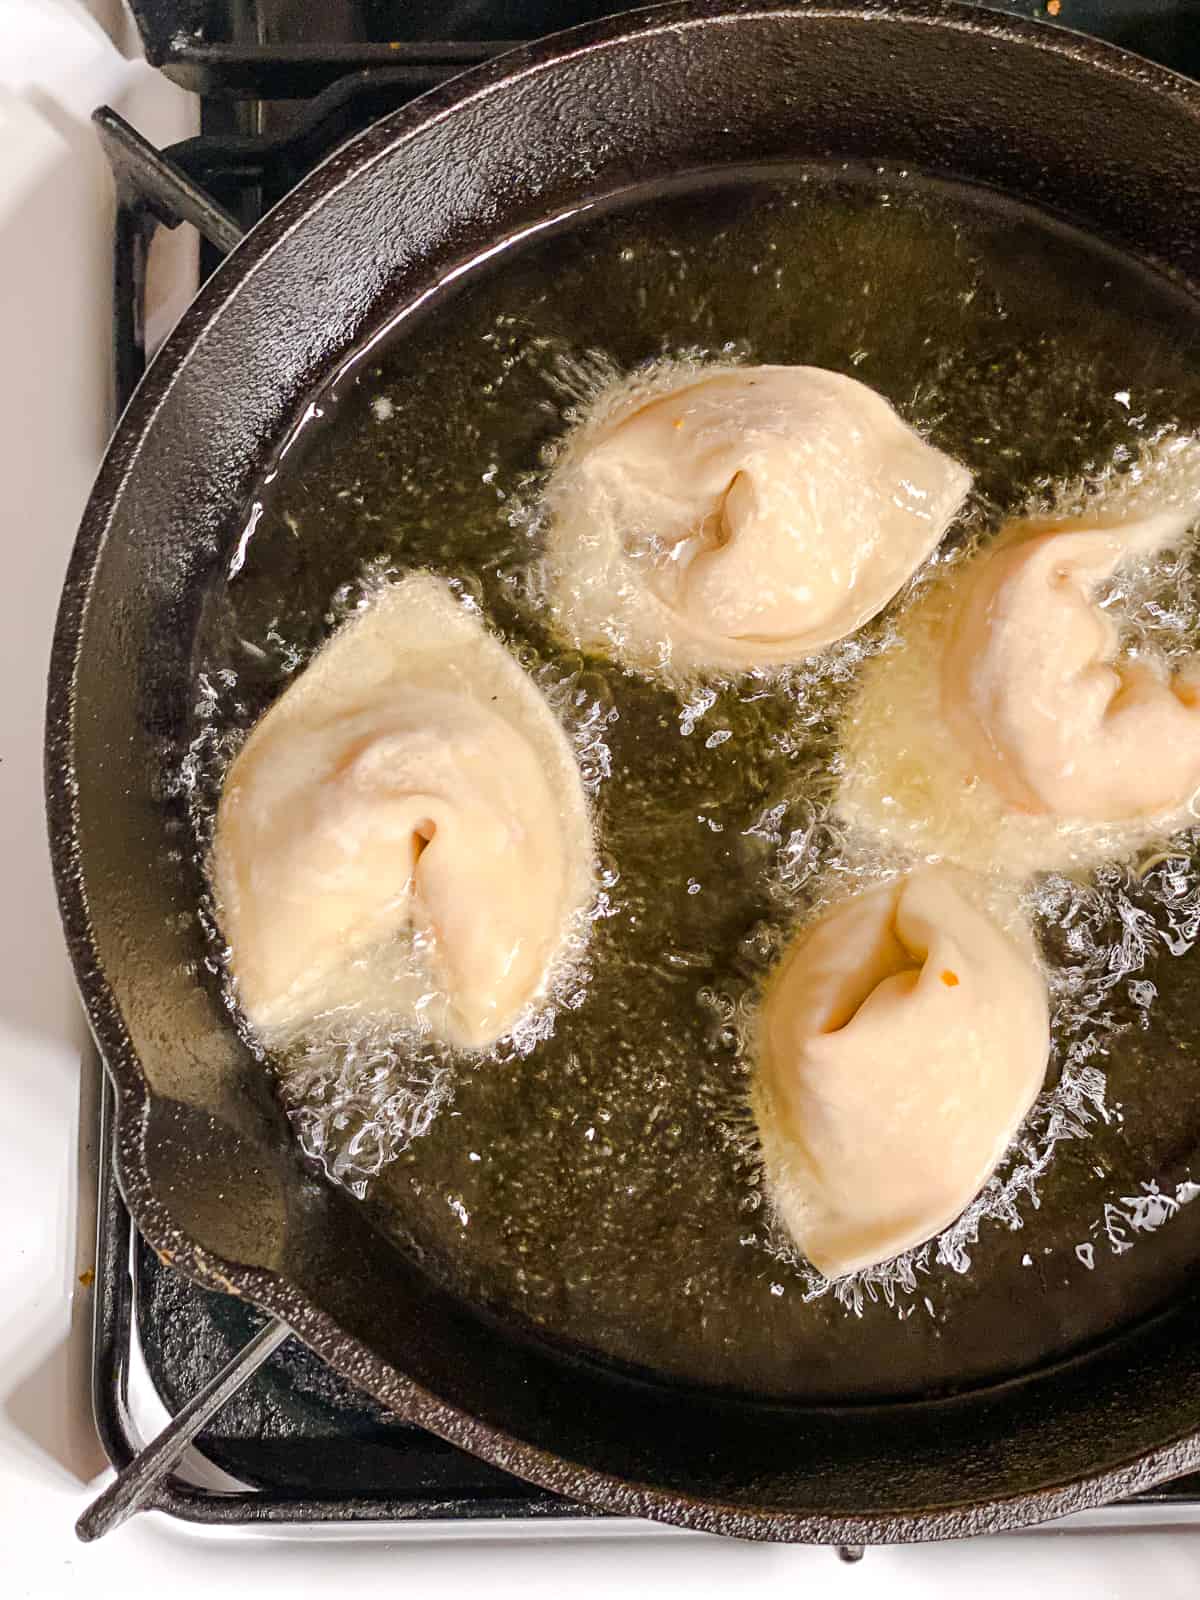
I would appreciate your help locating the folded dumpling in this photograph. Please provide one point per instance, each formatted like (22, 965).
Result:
(740, 517)
(1035, 693)
(902, 1040)
(404, 832)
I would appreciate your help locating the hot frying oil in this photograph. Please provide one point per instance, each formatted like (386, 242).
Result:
(595, 1177)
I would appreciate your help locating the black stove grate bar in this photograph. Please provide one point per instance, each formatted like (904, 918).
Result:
(254, 170)
(296, 71)
(151, 189)
(157, 181)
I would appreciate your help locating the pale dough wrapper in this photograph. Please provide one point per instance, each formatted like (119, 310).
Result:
(404, 832)
(1034, 691)
(746, 517)
(903, 1038)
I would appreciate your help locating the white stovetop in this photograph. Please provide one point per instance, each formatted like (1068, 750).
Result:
(58, 59)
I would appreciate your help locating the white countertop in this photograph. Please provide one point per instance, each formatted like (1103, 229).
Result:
(58, 59)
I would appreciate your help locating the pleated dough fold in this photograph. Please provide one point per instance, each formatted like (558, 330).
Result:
(405, 831)
(746, 517)
(1034, 689)
(902, 1040)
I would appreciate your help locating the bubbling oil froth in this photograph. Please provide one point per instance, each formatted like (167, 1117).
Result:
(1107, 929)
(907, 782)
(359, 1087)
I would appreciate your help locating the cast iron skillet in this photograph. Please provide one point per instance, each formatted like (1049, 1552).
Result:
(203, 1154)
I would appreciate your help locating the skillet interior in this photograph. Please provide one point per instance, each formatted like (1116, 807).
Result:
(205, 1161)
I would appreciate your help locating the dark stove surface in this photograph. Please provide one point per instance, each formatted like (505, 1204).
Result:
(182, 35)
(283, 83)
(275, 22)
